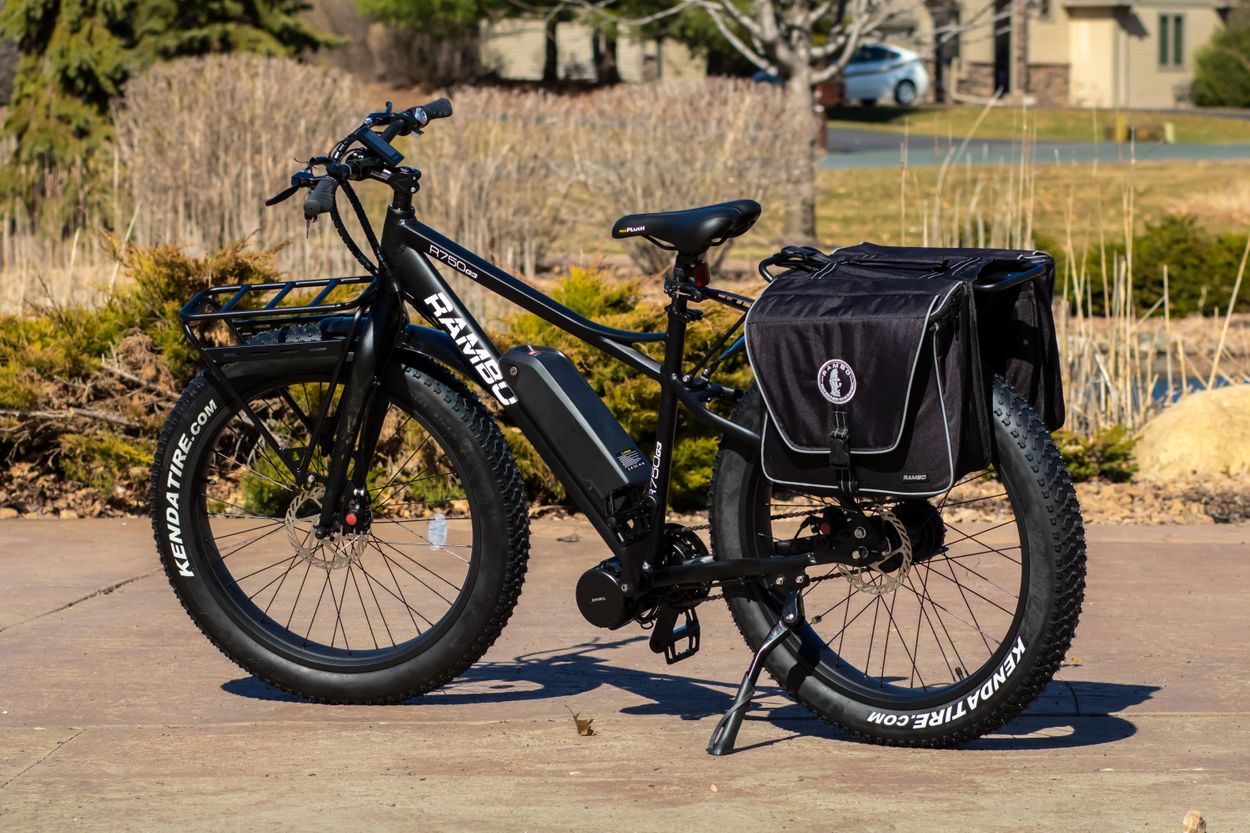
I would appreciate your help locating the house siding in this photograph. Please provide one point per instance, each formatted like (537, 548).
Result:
(1146, 83)
(1089, 55)
(515, 47)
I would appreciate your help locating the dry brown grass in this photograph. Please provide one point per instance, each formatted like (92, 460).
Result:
(677, 144)
(202, 142)
(1117, 363)
(520, 176)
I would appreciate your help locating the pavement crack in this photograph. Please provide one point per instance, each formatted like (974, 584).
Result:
(103, 591)
(60, 745)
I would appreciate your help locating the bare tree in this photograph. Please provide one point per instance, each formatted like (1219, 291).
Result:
(802, 43)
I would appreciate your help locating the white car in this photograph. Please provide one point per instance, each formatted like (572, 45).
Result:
(877, 71)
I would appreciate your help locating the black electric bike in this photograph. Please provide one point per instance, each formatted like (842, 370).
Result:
(341, 515)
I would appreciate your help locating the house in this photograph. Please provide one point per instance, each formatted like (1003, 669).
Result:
(515, 49)
(1088, 53)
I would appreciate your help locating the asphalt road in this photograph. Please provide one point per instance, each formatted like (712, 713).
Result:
(115, 714)
(854, 148)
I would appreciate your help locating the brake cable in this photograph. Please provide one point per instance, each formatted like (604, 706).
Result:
(336, 217)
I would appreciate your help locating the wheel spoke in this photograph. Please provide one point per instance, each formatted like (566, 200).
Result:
(246, 478)
(390, 546)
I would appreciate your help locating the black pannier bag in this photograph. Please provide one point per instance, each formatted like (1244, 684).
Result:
(875, 363)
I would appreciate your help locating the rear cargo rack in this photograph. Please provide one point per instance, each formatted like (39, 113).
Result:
(1006, 280)
(1027, 268)
(205, 307)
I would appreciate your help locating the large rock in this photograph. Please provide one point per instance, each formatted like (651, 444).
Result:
(1206, 434)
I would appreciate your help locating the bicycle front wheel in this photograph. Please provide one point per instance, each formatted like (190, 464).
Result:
(377, 616)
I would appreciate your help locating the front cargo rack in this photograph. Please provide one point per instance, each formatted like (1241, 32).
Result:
(263, 320)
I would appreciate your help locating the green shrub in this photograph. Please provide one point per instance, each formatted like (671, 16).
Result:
(51, 361)
(1222, 68)
(632, 398)
(111, 464)
(1202, 267)
(1108, 455)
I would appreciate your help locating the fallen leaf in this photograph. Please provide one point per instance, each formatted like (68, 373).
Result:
(583, 723)
(713, 788)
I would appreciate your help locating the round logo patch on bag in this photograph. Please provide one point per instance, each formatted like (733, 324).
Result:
(836, 381)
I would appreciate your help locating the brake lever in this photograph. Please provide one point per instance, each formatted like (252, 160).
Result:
(299, 179)
(281, 196)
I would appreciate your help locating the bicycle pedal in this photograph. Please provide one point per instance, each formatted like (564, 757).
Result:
(675, 643)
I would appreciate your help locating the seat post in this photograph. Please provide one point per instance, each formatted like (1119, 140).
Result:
(681, 275)
(679, 285)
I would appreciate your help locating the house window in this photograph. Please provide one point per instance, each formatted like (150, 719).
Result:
(1171, 40)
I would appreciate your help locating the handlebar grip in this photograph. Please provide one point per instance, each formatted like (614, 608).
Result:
(437, 109)
(321, 200)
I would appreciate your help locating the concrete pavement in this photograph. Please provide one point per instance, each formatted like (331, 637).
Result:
(115, 714)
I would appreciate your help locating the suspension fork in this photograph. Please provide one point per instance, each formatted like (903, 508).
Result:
(362, 408)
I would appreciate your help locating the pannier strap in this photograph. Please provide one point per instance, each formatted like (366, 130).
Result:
(840, 450)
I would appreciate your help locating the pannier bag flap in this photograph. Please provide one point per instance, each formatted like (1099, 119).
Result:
(817, 343)
(869, 385)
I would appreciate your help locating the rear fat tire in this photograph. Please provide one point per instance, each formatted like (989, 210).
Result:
(468, 432)
(1049, 515)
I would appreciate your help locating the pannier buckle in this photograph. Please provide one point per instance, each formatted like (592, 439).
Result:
(839, 449)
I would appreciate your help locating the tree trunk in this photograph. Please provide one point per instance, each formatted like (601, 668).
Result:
(800, 221)
(607, 70)
(945, 15)
(551, 54)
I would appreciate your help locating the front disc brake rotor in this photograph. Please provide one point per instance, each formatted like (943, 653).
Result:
(332, 552)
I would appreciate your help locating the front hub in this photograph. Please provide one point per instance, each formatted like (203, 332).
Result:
(331, 550)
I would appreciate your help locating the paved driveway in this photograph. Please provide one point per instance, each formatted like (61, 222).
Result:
(115, 714)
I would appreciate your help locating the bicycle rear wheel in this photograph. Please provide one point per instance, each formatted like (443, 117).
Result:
(956, 629)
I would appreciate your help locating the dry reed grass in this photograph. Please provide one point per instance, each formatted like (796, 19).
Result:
(201, 142)
(679, 143)
(1121, 366)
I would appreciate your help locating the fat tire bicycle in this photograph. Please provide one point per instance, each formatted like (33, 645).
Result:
(341, 515)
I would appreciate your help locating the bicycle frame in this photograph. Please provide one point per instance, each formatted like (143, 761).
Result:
(409, 246)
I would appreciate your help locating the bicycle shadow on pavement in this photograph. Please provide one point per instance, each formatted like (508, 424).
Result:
(1056, 720)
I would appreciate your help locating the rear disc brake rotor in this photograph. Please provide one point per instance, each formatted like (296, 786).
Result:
(889, 568)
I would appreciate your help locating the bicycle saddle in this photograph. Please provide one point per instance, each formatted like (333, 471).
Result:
(691, 231)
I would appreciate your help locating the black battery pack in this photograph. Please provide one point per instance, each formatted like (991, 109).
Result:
(584, 444)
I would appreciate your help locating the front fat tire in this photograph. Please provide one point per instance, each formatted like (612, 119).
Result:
(1048, 512)
(464, 423)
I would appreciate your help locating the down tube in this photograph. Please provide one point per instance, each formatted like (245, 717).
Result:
(440, 305)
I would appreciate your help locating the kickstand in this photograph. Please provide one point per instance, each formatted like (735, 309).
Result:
(726, 731)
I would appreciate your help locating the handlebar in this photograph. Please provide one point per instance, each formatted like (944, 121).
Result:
(414, 118)
(379, 153)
